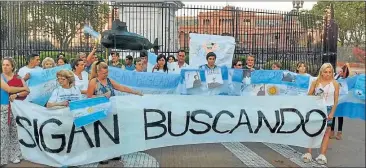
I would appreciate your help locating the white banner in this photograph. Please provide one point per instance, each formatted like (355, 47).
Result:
(151, 121)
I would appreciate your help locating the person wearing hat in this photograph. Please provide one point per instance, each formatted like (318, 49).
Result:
(33, 64)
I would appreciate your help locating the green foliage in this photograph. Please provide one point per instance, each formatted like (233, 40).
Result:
(350, 17)
(62, 20)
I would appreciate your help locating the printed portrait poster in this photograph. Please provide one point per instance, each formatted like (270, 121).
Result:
(214, 78)
(201, 44)
(192, 79)
(253, 90)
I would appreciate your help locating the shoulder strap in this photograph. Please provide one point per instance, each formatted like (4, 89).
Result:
(2, 76)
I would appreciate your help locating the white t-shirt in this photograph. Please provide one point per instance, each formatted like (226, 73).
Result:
(174, 67)
(160, 71)
(61, 94)
(82, 84)
(24, 70)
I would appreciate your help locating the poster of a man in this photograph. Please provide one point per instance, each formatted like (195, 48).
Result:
(197, 81)
(192, 79)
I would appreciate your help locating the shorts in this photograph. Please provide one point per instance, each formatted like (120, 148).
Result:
(329, 122)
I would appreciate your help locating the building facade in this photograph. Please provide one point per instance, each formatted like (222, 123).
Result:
(252, 29)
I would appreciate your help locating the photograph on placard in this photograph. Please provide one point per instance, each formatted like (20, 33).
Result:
(192, 79)
(214, 78)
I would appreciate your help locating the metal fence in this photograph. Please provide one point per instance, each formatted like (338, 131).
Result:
(49, 28)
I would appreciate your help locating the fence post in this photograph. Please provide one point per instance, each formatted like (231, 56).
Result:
(331, 38)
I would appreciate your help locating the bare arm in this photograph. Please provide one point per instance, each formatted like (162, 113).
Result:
(312, 88)
(23, 93)
(91, 87)
(11, 89)
(84, 91)
(122, 88)
(50, 105)
(89, 59)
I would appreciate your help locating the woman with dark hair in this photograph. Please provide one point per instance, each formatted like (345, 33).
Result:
(302, 69)
(171, 58)
(237, 64)
(161, 64)
(343, 73)
(61, 61)
(81, 76)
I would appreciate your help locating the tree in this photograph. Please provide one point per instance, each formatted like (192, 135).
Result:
(62, 20)
(350, 17)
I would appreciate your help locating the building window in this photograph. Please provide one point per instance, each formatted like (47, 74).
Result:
(246, 20)
(206, 22)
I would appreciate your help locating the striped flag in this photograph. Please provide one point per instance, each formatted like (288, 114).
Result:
(90, 110)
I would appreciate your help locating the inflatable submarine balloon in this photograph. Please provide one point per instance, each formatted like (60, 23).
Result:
(118, 37)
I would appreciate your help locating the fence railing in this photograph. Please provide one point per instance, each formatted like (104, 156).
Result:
(53, 27)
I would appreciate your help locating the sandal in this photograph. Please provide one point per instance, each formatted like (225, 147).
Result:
(339, 136)
(321, 159)
(307, 157)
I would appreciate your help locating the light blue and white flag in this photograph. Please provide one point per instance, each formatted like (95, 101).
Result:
(146, 82)
(90, 110)
(352, 104)
(151, 61)
(42, 83)
(201, 44)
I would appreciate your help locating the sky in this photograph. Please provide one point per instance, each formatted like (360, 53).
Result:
(276, 6)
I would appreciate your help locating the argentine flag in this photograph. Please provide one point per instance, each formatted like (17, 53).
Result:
(352, 104)
(90, 110)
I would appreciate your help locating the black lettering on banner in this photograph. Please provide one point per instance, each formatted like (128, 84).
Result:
(54, 136)
(21, 141)
(154, 124)
(170, 124)
(35, 131)
(243, 112)
(262, 117)
(214, 125)
(307, 118)
(193, 118)
(72, 134)
(98, 124)
(291, 110)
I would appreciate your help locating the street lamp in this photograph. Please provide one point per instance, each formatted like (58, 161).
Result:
(297, 4)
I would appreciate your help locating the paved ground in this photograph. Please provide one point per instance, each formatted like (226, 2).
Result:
(349, 152)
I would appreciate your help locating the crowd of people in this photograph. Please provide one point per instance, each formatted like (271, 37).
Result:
(89, 78)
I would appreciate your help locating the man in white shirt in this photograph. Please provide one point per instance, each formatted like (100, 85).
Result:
(176, 67)
(33, 64)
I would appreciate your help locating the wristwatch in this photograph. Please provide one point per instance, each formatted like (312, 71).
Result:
(17, 95)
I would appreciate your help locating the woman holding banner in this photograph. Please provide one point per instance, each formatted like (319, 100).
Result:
(10, 83)
(67, 91)
(101, 85)
(328, 89)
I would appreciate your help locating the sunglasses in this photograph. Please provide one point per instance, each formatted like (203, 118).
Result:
(239, 65)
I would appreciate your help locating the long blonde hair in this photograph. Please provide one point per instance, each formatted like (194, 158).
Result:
(96, 66)
(322, 69)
